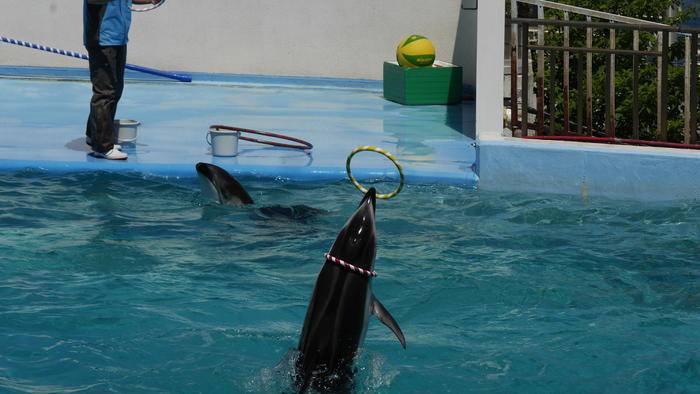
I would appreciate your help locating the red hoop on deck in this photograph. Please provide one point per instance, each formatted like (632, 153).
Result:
(304, 145)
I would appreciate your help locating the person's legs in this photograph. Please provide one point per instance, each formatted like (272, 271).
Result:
(119, 75)
(107, 76)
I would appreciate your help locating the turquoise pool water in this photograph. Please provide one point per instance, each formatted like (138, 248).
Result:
(132, 283)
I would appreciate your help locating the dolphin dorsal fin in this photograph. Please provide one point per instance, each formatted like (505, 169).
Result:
(385, 317)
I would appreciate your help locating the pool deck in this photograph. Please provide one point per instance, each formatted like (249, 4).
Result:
(43, 113)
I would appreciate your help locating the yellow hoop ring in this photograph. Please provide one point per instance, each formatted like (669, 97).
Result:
(383, 152)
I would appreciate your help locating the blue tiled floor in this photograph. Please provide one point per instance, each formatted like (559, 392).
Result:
(42, 123)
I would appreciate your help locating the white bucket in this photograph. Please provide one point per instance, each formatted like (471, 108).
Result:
(126, 130)
(223, 142)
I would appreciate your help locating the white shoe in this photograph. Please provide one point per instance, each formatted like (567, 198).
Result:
(113, 154)
(88, 141)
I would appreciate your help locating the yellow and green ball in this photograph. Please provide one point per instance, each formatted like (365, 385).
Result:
(415, 51)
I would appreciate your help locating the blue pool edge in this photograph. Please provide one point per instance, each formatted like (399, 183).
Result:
(297, 174)
(623, 172)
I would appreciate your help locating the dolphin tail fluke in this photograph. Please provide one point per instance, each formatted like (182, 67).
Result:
(385, 317)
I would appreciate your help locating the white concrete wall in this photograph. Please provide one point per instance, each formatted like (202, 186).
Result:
(489, 69)
(318, 38)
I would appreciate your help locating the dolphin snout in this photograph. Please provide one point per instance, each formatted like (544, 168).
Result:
(370, 198)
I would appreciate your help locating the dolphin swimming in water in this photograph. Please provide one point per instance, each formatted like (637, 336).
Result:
(341, 304)
(219, 185)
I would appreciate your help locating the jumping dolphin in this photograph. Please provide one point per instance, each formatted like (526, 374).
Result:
(219, 185)
(341, 303)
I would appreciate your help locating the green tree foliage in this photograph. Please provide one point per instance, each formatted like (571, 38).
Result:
(651, 10)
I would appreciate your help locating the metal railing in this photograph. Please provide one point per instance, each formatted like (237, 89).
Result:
(583, 126)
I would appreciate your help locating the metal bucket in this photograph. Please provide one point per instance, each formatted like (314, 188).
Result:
(223, 142)
(126, 130)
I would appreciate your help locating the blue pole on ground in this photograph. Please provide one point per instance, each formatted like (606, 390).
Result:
(166, 74)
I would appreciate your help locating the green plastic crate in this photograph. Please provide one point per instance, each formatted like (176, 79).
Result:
(420, 86)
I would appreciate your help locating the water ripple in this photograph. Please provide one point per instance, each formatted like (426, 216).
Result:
(131, 283)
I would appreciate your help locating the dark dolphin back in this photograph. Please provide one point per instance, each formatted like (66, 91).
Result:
(295, 212)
